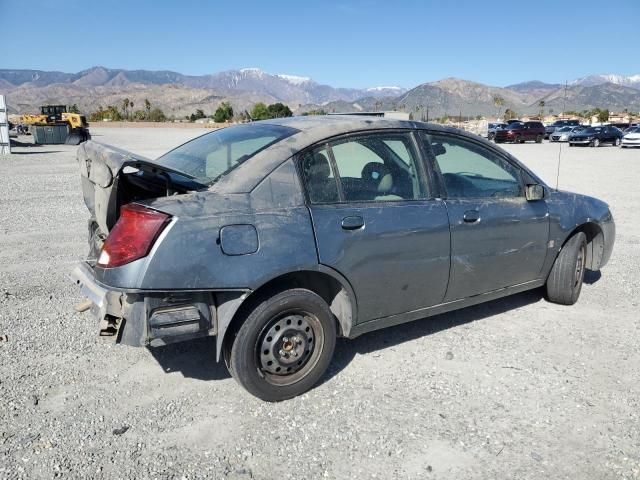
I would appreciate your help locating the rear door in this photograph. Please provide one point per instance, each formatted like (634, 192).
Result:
(498, 238)
(377, 223)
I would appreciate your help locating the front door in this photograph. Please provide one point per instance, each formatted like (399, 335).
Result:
(498, 238)
(376, 223)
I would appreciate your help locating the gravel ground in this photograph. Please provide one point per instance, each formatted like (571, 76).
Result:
(515, 388)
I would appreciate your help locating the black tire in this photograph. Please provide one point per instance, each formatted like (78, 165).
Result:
(539, 139)
(566, 277)
(298, 321)
(595, 143)
(617, 142)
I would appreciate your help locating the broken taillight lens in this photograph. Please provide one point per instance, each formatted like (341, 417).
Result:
(132, 236)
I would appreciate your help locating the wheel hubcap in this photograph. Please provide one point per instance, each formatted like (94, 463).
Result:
(579, 267)
(286, 345)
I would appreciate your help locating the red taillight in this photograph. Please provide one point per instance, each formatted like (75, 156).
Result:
(132, 236)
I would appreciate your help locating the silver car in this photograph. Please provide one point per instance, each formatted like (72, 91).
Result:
(276, 237)
(562, 134)
(631, 138)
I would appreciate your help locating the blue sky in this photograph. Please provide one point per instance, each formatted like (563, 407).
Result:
(352, 44)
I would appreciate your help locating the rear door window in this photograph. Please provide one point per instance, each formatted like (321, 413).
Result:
(379, 167)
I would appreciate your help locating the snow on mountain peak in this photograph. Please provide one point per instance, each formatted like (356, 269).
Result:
(381, 89)
(252, 71)
(294, 79)
(629, 81)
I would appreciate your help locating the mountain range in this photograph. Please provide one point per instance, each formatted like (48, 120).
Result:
(178, 94)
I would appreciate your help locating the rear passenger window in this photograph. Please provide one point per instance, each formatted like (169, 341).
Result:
(378, 167)
(371, 168)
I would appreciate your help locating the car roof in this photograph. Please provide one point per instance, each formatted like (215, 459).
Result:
(347, 123)
(312, 129)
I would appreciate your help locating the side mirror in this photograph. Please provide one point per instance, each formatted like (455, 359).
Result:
(534, 192)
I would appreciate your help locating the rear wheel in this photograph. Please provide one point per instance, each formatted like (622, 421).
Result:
(565, 280)
(539, 139)
(284, 346)
(617, 142)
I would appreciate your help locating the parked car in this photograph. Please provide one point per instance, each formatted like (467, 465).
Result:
(631, 138)
(595, 136)
(520, 132)
(491, 131)
(549, 129)
(278, 236)
(562, 134)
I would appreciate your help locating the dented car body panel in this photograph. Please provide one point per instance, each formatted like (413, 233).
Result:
(254, 229)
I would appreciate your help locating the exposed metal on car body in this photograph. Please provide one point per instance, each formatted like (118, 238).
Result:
(254, 230)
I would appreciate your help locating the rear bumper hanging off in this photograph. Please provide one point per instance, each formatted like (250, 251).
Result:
(147, 318)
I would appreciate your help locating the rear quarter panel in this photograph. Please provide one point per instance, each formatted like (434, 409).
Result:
(189, 256)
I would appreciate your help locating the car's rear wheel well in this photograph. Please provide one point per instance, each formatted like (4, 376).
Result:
(322, 284)
(595, 244)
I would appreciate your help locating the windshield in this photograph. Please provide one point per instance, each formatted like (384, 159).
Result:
(592, 130)
(514, 126)
(634, 130)
(214, 154)
(565, 129)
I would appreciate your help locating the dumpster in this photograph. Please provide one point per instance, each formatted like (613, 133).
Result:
(50, 134)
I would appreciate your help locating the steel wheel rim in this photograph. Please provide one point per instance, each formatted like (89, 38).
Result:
(289, 347)
(579, 272)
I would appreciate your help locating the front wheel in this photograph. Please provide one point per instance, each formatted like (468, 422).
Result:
(539, 139)
(565, 280)
(595, 143)
(284, 346)
(617, 142)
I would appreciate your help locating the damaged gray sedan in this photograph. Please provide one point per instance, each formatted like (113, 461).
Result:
(276, 237)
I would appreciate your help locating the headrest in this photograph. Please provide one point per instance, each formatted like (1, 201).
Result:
(373, 172)
(317, 166)
(386, 184)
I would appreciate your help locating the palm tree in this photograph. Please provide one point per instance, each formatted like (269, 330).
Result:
(541, 106)
(498, 101)
(125, 106)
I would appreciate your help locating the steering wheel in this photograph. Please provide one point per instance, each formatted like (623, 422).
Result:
(458, 185)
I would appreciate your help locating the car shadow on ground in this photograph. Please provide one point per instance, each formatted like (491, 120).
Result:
(196, 358)
(347, 349)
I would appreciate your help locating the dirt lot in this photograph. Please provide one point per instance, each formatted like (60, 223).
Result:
(516, 388)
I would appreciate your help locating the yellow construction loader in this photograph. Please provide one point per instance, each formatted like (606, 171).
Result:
(57, 116)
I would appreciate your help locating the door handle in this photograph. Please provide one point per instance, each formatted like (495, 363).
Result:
(352, 223)
(471, 216)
